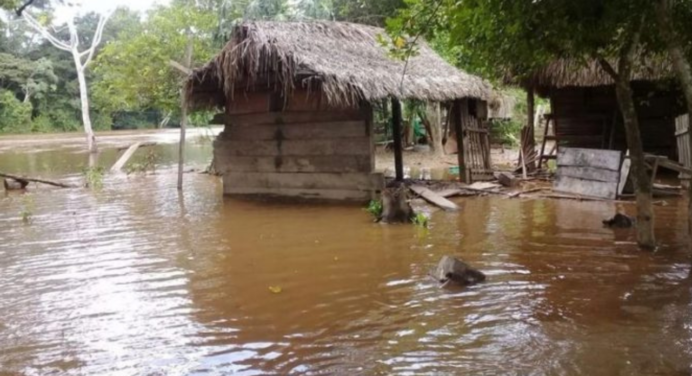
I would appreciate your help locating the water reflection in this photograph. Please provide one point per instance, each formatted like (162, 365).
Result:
(140, 279)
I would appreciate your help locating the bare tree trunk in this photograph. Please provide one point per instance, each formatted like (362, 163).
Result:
(183, 120)
(642, 182)
(684, 72)
(86, 118)
(81, 61)
(432, 120)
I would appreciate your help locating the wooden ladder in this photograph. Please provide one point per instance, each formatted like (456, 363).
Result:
(552, 155)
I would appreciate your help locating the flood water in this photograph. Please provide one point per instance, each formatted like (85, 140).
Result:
(136, 279)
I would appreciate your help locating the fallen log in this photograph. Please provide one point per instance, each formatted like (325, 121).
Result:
(447, 193)
(37, 180)
(126, 157)
(434, 198)
(141, 145)
(15, 185)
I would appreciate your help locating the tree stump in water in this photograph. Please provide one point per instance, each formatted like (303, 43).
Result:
(620, 221)
(15, 185)
(454, 270)
(395, 206)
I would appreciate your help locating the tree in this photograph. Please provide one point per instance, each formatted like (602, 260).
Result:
(134, 71)
(81, 61)
(26, 78)
(499, 36)
(673, 18)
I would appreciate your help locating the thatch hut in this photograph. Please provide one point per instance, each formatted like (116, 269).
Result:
(585, 110)
(297, 102)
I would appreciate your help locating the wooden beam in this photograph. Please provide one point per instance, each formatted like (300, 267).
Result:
(434, 198)
(396, 135)
(459, 133)
(179, 67)
(126, 157)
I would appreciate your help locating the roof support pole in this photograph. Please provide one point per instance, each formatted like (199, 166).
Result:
(396, 134)
(528, 144)
(457, 123)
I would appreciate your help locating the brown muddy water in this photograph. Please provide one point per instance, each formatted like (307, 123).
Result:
(135, 279)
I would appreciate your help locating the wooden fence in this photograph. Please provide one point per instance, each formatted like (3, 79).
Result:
(477, 149)
(682, 133)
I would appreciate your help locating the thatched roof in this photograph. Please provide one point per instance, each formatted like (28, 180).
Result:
(346, 60)
(589, 73)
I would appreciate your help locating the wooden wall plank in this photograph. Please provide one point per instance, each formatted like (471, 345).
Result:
(346, 129)
(294, 117)
(322, 181)
(307, 194)
(586, 187)
(248, 103)
(245, 148)
(303, 100)
(323, 163)
(578, 157)
(589, 173)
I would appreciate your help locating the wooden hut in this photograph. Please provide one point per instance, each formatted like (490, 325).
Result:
(297, 100)
(585, 111)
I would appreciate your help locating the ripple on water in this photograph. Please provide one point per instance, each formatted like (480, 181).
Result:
(136, 279)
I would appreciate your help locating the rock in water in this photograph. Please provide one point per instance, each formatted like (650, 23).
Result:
(457, 271)
(620, 221)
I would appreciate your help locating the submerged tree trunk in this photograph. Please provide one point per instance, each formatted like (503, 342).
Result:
(395, 205)
(86, 118)
(81, 61)
(642, 182)
(684, 72)
(432, 120)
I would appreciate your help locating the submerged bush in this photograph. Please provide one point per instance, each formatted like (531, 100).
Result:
(375, 208)
(148, 164)
(93, 177)
(421, 220)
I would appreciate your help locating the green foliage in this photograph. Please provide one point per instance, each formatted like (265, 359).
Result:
(149, 164)
(493, 37)
(93, 177)
(375, 209)
(505, 132)
(421, 220)
(102, 121)
(134, 70)
(15, 116)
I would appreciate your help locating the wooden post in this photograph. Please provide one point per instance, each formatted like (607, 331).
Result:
(464, 175)
(530, 144)
(396, 134)
(183, 119)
